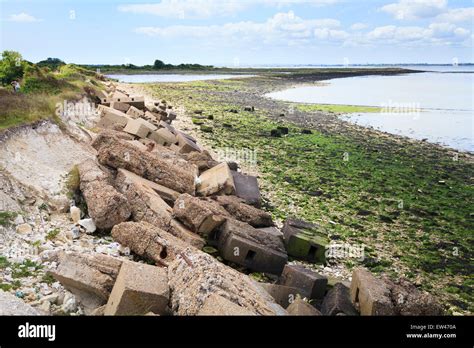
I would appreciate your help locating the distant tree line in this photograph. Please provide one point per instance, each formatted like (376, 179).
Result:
(157, 65)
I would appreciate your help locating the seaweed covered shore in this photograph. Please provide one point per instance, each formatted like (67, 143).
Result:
(407, 202)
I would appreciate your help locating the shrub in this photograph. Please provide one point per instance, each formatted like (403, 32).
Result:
(12, 67)
(38, 80)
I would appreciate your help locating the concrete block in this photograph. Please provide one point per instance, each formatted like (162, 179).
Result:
(217, 180)
(283, 295)
(240, 243)
(168, 195)
(186, 144)
(371, 294)
(219, 305)
(305, 240)
(133, 112)
(338, 301)
(120, 106)
(302, 308)
(138, 102)
(200, 215)
(139, 289)
(137, 128)
(147, 124)
(169, 127)
(246, 187)
(312, 284)
(110, 117)
(163, 137)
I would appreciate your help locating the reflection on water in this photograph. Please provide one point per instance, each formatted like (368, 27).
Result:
(446, 101)
(144, 78)
(449, 128)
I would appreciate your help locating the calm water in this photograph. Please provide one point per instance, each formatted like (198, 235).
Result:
(433, 106)
(144, 78)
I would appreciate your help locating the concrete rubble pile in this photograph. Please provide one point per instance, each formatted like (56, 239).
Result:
(160, 194)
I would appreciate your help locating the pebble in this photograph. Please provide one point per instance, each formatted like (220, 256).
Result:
(88, 224)
(69, 304)
(76, 232)
(75, 214)
(19, 220)
(24, 229)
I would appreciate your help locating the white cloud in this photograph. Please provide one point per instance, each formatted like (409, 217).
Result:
(330, 34)
(358, 26)
(282, 28)
(435, 34)
(288, 29)
(457, 15)
(23, 18)
(415, 9)
(207, 8)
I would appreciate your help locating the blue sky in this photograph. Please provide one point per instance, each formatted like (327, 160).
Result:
(245, 32)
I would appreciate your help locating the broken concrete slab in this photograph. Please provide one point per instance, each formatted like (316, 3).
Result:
(148, 206)
(107, 135)
(168, 195)
(163, 137)
(139, 289)
(110, 117)
(137, 128)
(147, 124)
(272, 230)
(243, 212)
(305, 240)
(218, 305)
(12, 305)
(119, 95)
(169, 127)
(240, 243)
(139, 145)
(283, 295)
(246, 187)
(88, 276)
(338, 301)
(138, 102)
(149, 241)
(200, 215)
(135, 113)
(106, 206)
(409, 300)
(217, 180)
(194, 276)
(186, 144)
(371, 294)
(120, 106)
(117, 153)
(312, 284)
(203, 160)
(171, 115)
(302, 308)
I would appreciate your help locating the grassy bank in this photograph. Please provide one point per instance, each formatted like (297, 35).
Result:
(41, 91)
(409, 205)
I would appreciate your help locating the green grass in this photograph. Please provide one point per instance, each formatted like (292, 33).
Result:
(40, 93)
(6, 218)
(52, 234)
(367, 190)
(73, 182)
(339, 109)
(25, 269)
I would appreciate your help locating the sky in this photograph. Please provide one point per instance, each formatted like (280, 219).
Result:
(240, 32)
